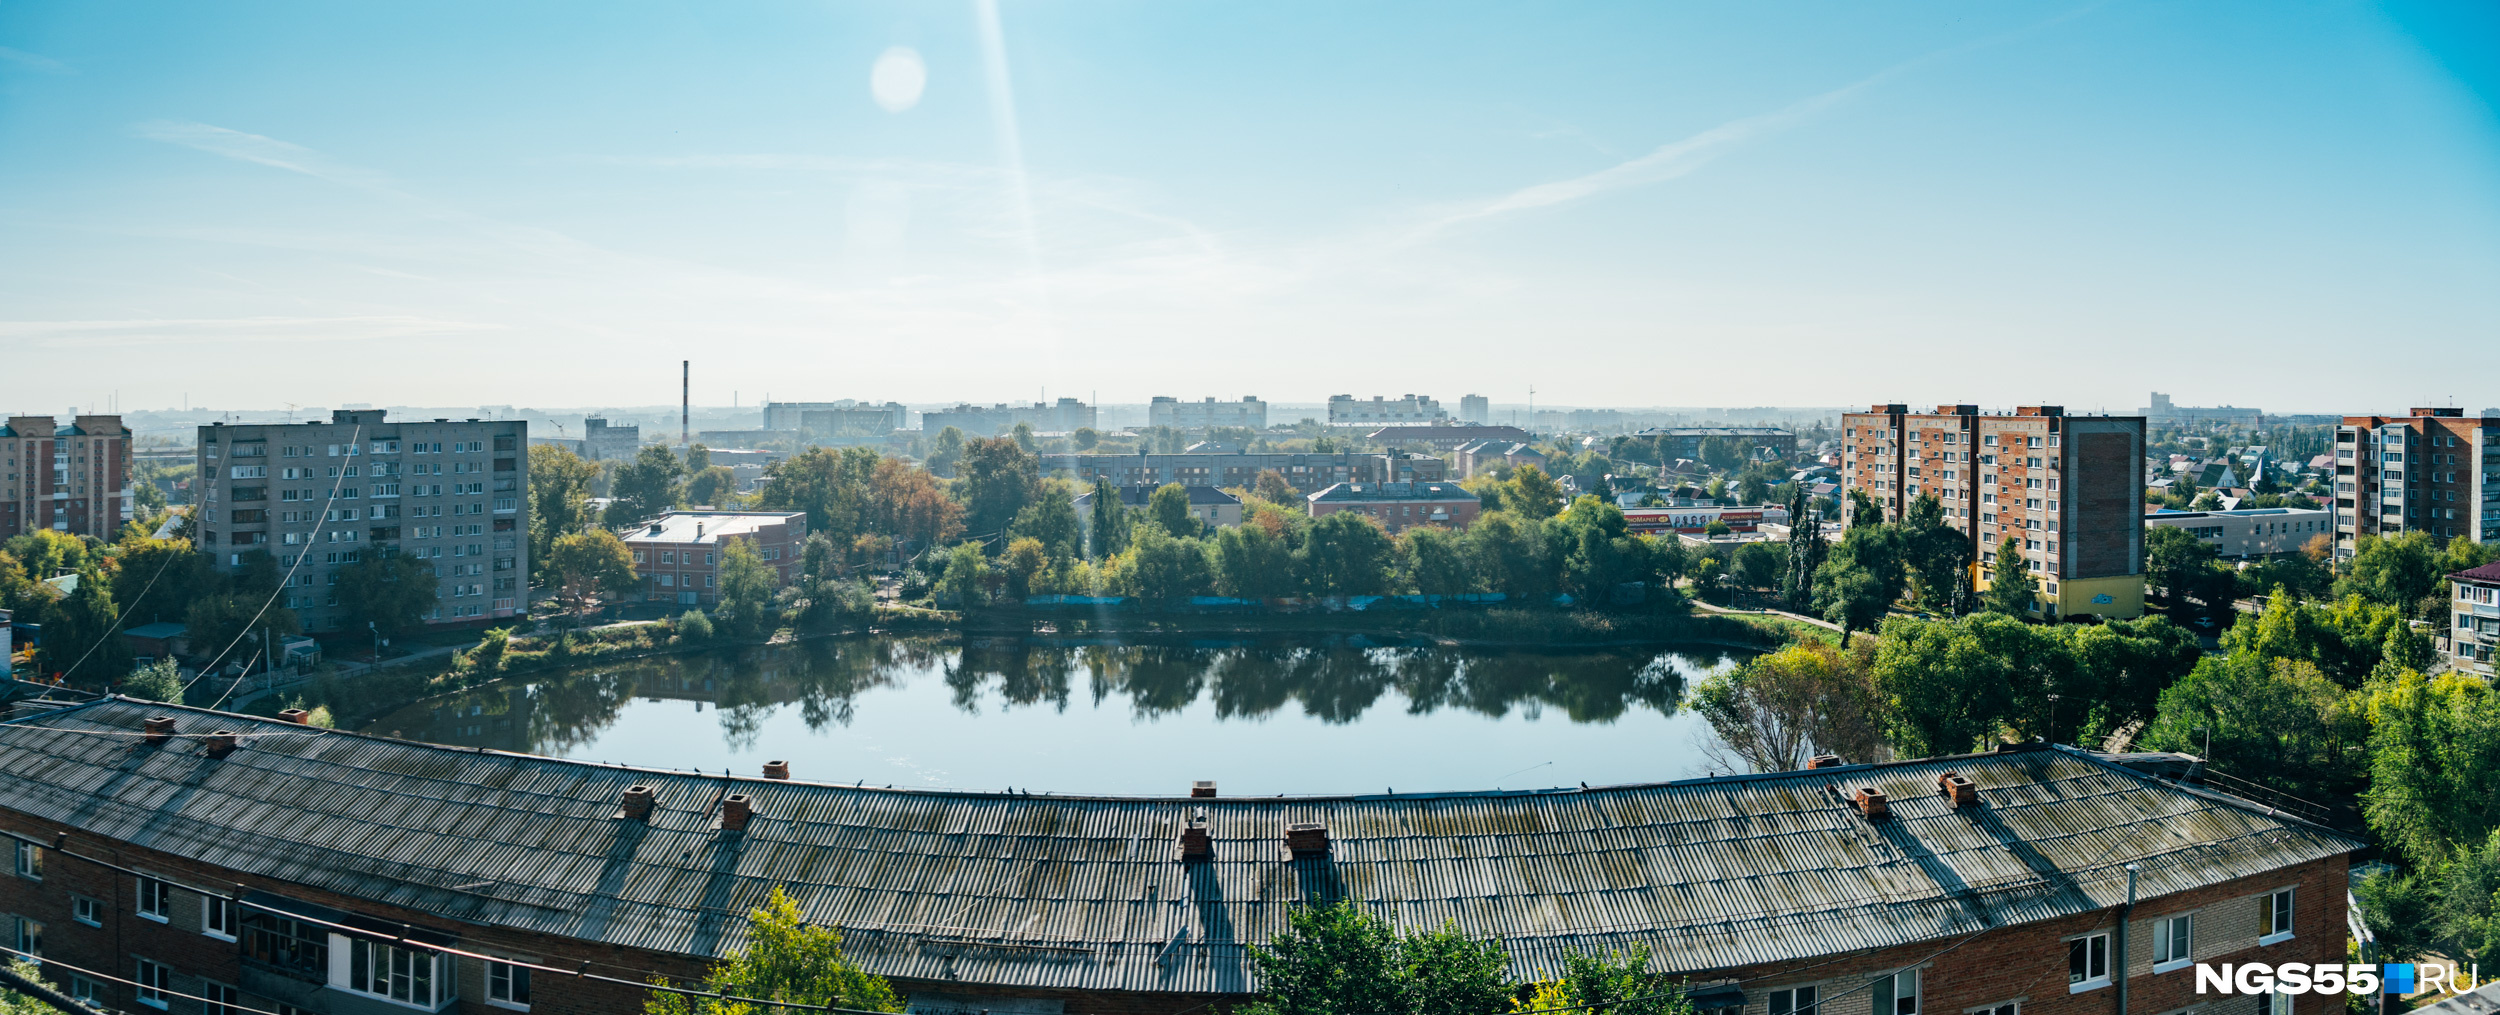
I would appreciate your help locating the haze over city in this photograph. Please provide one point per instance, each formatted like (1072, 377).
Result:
(1629, 205)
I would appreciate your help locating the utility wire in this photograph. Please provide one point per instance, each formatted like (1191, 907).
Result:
(161, 991)
(354, 438)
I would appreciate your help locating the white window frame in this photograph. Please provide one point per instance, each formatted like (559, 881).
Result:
(29, 861)
(2278, 910)
(29, 944)
(219, 998)
(149, 984)
(2088, 982)
(2013, 1007)
(1888, 992)
(499, 992)
(161, 891)
(87, 911)
(211, 906)
(442, 979)
(2174, 941)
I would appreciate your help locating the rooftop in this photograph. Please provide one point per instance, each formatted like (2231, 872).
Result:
(704, 526)
(1392, 491)
(1139, 496)
(1089, 892)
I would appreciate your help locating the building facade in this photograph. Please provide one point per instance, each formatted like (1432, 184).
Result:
(1441, 437)
(1346, 410)
(2164, 411)
(1165, 410)
(604, 443)
(1685, 441)
(1305, 471)
(73, 479)
(2071, 488)
(678, 554)
(1695, 521)
(320, 496)
(2434, 470)
(275, 864)
(1400, 506)
(2473, 642)
(1063, 416)
(1474, 458)
(1206, 503)
(1475, 409)
(2251, 532)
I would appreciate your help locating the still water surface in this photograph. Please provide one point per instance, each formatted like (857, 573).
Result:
(1348, 716)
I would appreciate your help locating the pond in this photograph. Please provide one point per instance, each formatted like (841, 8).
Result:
(1346, 715)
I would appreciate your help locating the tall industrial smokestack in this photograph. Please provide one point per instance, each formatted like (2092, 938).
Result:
(685, 402)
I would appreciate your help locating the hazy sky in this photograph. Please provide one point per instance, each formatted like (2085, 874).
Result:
(2291, 205)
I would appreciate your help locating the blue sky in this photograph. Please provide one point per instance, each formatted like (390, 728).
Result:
(2295, 206)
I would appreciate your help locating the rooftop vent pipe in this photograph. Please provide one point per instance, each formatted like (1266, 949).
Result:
(219, 744)
(776, 770)
(1196, 845)
(294, 715)
(1201, 788)
(1871, 803)
(158, 728)
(734, 812)
(1958, 788)
(1304, 838)
(638, 801)
(1825, 761)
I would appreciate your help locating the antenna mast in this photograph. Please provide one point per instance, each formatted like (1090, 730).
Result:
(685, 402)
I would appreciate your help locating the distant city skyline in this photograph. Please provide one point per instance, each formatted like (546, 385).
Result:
(1623, 205)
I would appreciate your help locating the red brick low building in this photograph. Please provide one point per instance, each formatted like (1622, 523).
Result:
(1400, 506)
(271, 866)
(679, 553)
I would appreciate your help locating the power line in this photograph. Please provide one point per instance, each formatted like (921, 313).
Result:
(354, 437)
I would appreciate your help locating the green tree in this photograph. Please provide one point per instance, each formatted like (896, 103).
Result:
(1806, 553)
(837, 487)
(1024, 563)
(2123, 665)
(560, 483)
(1346, 554)
(2173, 560)
(1110, 521)
(1334, 959)
(949, 450)
(1847, 594)
(1252, 563)
(1272, 487)
(232, 612)
(1863, 511)
(2434, 786)
(1512, 555)
(1878, 549)
(587, 566)
(694, 626)
(698, 458)
(386, 593)
(998, 478)
(644, 488)
(157, 681)
(1532, 494)
(80, 640)
(747, 584)
(966, 580)
(1599, 553)
(788, 959)
(1437, 562)
(2012, 589)
(1161, 566)
(1935, 555)
(1051, 520)
(1086, 438)
(712, 486)
(158, 578)
(1169, 507)
(1775, 711)
(1943, 687)
(2284, 723)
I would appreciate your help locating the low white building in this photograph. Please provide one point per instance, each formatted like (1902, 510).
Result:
(2251, 532)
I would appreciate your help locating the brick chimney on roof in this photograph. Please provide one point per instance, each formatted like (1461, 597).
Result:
(735, 809)
(638, 801)
(776, 770)
(158, 728)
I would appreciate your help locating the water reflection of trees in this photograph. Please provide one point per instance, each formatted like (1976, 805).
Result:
(1336, 684)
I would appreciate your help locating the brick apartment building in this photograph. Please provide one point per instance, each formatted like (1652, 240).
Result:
(319, 496)
(347, 874)
(1305, 471)
(73, 479)
(2070, 487)
(1399, 506)
(2433, 470)
(678, 554)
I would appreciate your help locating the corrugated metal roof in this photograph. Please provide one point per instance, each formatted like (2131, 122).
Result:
(1086, 892)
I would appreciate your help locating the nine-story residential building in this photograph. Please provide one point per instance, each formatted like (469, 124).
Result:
(2432, 470)
(319, 496)
(2070, 487)
(73, 479)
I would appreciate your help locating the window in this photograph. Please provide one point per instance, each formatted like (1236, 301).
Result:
(2174, 939)
(29, 937)
(509, 985)
(286, 943)
(219, 999)
(1798, 1001)
(153, 981)
(400, 974)
(29, 861)
(2087, 963)
(84, 989)
(1897, 993)
(2008, 1008)
(87, 911)
(217, 917)
(2274, 917)
(152, 896)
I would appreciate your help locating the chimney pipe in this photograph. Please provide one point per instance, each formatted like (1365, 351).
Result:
(734, 811)
(1306, 838)
(159, 728)
(219, 744)
(776, 770)
(685, 402)
(1825, 761)
(1958, 788)
(639, 799)
(294, 715)
(1202, 788)
(1871, 803)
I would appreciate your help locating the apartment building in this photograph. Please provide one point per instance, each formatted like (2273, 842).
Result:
(1475, 409)
(2070, 487)
(1065, 415)
(1399, 506)
(1165, 410)
(162, 853)
(2473, 643)
(1305, 471)
(1346, 410)
(73, 479)
(2433, 470)
(1206, 503)
(319, 496)
(678, 554)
